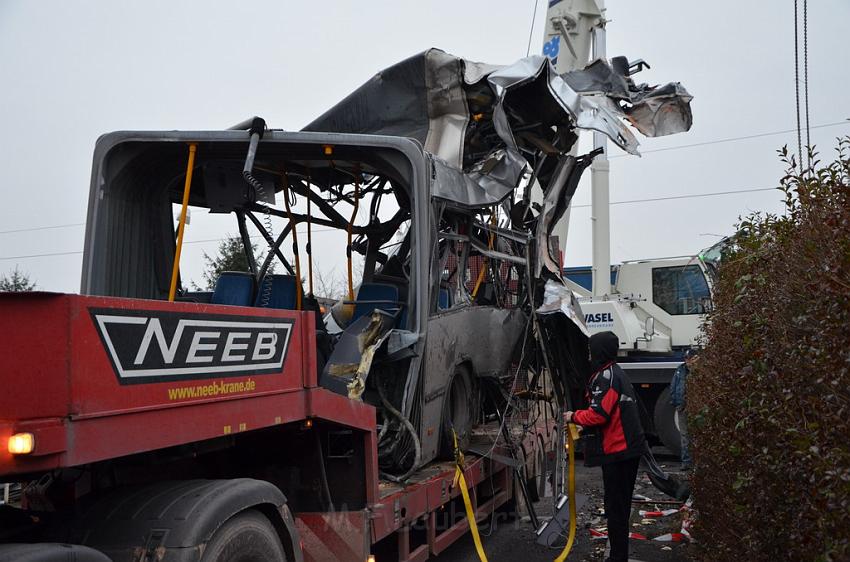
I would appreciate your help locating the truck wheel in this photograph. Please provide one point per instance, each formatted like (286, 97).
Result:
(666, 424)
(458, 412)
(246, 537)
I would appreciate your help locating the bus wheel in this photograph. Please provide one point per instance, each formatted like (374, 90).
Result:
(245, 537)
(537, 479)
(458, 412)
(666, 424)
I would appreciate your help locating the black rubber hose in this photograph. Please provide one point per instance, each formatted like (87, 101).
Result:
(323, 474)
(412, 430)
(260, 192)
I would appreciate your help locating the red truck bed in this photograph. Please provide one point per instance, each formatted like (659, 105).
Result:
(426, 514)
(89, 405)
(95, 378)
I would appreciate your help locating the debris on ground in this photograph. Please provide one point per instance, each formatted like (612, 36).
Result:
(662, 513)
(517, 540)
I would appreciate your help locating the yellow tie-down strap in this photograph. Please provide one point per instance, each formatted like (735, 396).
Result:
(470, 514)
(572, 437)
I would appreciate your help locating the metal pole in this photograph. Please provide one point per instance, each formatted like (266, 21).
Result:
(600, 197)
(175, 270)
(570, 32)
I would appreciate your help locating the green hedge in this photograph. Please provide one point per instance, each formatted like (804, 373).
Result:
(769, 398)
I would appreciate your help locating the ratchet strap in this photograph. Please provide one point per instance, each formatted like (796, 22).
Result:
(309, 247)
(349, 308)
(470, 514)
(572, 436)
(181, 226)
(351, 226)
(294, 240)
(484, 262)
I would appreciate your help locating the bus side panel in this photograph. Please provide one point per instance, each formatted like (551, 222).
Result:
(481, 335)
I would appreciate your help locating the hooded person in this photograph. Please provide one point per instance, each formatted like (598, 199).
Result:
(678, 393)
(613, 436)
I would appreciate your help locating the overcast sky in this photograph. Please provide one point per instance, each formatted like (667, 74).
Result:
(72, 71)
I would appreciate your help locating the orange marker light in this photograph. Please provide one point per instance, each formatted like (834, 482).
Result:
(328, 149)
(21, 443)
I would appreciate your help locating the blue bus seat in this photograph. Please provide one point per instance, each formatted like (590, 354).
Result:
(234, 288)
(281, 289)
(401, 319)
(375, 295)
(443, 300)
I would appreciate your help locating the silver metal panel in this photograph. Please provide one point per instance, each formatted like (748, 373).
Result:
(587, 113)
(484, 336)
(488, 183)
(447, 111)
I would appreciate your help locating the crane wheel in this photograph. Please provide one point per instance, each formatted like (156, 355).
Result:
(666, 424)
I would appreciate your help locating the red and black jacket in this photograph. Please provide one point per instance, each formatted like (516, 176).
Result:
(613, 431)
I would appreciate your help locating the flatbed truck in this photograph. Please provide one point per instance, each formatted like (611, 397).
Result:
(209, 428)
(147, 421)
(141, 472)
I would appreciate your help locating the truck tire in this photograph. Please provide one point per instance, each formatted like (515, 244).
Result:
(459, 411)
(180, 519)
(246, 537)
(49, 553)
(666, 424)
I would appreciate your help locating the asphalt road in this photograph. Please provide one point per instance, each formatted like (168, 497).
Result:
(513, 539)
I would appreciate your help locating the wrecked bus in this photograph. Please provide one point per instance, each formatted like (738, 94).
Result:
(446, 172)
(439, 335)
(414, 343)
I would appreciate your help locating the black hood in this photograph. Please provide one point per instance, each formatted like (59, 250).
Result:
(603, 349)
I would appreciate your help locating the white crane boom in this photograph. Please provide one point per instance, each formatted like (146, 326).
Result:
(575, 32)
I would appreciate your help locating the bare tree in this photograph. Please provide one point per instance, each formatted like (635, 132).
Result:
(329, 285)
(333, 285)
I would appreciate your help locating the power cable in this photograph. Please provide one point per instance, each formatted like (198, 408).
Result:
(184, 243)
(42, 228)
(806, 79)
(69, 225)
(797, 83)
(626, 202)
(677, 147)
(733, 139)
(531, 31)
(688, 196)
(40, 255)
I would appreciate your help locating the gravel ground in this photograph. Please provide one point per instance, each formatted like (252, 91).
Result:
(513, 539)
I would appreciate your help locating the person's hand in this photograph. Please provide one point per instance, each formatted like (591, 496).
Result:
(568, 417)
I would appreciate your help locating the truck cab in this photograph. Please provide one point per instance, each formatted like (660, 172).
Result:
(657, 308)
(655, 305)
